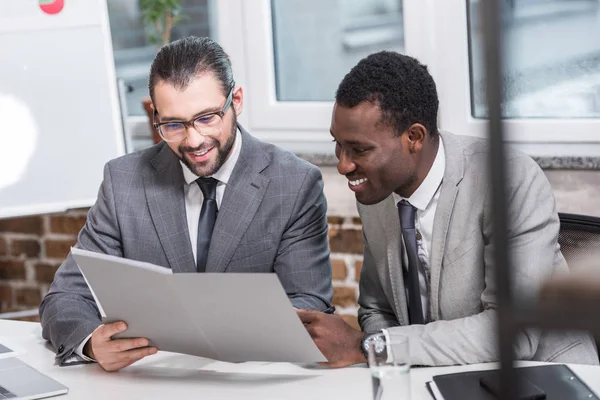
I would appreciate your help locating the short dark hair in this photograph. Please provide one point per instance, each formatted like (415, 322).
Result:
(180, 61)
(400, 85)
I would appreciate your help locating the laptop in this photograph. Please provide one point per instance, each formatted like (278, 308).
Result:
(5, 351)
(20, 381)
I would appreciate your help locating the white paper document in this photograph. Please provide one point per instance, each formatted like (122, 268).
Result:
(232, 317)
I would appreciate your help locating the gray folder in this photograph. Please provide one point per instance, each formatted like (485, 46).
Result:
(231, 317)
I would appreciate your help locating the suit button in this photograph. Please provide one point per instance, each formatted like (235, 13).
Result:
(61, 348)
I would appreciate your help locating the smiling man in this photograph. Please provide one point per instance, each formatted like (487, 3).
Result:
(422, 195)
(208, 198)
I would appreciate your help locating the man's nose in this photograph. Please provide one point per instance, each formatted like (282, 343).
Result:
(345, 164)
(194, 138)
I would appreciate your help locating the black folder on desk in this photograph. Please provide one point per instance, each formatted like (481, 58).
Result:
(557, 381)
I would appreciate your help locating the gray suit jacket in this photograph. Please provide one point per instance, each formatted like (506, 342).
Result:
(462, 281)
(272, 219)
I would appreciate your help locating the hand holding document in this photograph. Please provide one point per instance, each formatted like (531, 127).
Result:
(231, 317)
(114, 354)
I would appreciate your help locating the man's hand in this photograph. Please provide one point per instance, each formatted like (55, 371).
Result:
(112, 355)
(337, 340)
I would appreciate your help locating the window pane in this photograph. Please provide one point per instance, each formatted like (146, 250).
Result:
(133, 49)
(317, 42)
(552, 58)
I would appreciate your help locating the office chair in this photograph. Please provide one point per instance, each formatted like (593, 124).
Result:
(579, 239)
(579, 236)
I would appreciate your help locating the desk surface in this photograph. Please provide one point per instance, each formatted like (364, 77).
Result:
(176, 376)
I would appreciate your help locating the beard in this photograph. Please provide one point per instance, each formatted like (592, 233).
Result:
(209, 168)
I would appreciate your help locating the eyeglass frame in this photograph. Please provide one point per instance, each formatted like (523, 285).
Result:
(191, 122)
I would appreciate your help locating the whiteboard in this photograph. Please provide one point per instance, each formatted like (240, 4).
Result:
(60, 120)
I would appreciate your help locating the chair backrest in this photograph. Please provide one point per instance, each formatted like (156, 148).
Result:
(579, 239)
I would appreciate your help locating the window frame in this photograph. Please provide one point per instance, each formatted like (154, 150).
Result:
(435, 32)
(245, 32)
(540, 136)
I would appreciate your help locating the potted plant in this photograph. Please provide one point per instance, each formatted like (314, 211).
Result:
(159, 18)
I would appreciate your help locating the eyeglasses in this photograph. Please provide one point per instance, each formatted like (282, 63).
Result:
(207, 124)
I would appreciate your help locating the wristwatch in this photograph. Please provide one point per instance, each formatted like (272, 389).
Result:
(377, 340)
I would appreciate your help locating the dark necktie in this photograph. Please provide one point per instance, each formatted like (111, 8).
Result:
(206, 222)
(407, 221)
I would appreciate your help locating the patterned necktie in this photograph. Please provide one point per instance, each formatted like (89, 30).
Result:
(206, 222)
(407, 212)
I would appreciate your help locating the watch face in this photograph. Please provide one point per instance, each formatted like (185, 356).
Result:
(377, 342)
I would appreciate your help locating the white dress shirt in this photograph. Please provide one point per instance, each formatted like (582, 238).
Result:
(193, 203)
(194, 196)
(425, 200)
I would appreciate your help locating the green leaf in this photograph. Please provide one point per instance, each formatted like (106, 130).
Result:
(154, 13)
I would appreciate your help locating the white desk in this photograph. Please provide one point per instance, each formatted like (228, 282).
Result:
(175, 376)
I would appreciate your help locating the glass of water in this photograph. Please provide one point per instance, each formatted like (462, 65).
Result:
(389, 363)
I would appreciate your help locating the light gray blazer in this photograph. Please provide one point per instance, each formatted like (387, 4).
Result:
(462, 281)
(272, 219)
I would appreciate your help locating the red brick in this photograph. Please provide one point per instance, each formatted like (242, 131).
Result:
(12, 269)
(346, 241)
(335, 220)
(29, 297)
(44, 272)
(28, 247)
(356, 221)
(351, 320)
(68, 224)
(338, 268)
(33, 225)
(344, 296)
(3, 247)
(59, 248)
(357, 269)
(6, 303)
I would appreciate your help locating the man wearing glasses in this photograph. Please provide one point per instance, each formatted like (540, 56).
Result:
(209, 198)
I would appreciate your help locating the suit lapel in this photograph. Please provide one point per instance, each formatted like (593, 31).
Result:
(389, 219)
(243, 194)
(453, 174)
(166, 202)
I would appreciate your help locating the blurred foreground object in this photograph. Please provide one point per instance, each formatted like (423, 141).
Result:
(581, 285)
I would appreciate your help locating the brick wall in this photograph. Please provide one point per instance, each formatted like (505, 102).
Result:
(32, 248)
(346, 245)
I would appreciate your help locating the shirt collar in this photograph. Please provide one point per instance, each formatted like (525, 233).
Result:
(224, 173)
(427, 189)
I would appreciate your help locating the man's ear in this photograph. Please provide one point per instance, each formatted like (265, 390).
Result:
(238, 99)
(415, 136)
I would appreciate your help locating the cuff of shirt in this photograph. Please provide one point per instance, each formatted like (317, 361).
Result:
(79, 349)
